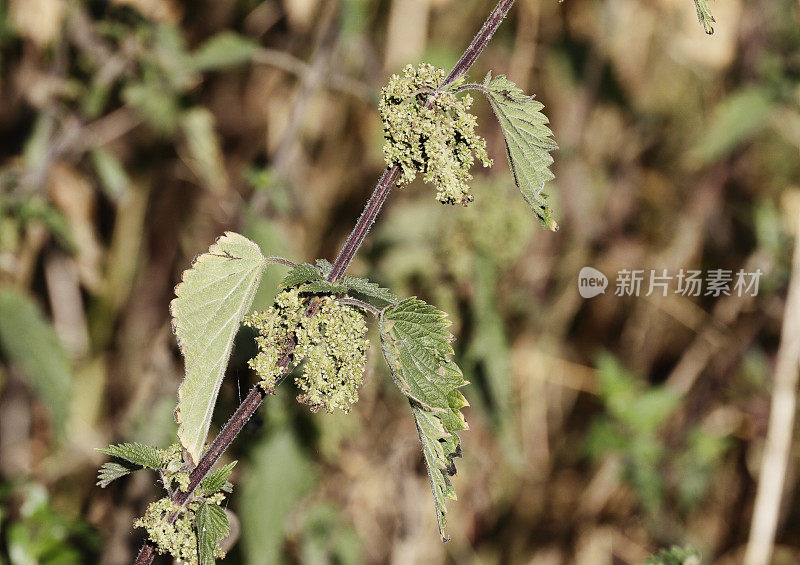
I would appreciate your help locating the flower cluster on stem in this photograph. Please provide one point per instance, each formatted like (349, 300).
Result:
(331, 341)
(430, 130)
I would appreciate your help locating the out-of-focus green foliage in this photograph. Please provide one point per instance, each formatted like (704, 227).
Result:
(675, 555)
(223, 51)
(634, 429)
(28, 340)
(40, 534)
(265, 512)
(741, 116)
(328, 539)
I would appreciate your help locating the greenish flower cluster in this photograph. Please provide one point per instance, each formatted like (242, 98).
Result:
(179, 538)
(431, 131)
(171, 465)
(331, 341)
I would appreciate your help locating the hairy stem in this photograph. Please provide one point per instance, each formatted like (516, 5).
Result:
(257, 395)
(479, 42)
(365, 221)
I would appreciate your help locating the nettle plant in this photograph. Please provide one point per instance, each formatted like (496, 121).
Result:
(319, 318)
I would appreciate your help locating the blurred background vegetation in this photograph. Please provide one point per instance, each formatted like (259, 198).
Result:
(133, 132)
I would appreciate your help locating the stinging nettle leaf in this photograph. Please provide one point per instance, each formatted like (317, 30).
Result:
(136, 453)
(439, 447)
(325, 266)
(110, 472)
(368, 289)
(215, 294)
(301, 274)
(212, 526)
(419, 325)
(311, 279)
(416, 345)
(528, 142)
(217, 480)
(704, 16)
(323, 287)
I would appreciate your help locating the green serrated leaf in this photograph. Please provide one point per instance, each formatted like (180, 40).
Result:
(368, 289)
(212, 526)
(323, 287)
(301, 274)
(416, 345)
(29, 341)
(439, 448)
(311, 279)
(217, 480)
(210, 303)
(704, 16)
(325, 266)
(112, 471)
(419, 326)
(136, 453)
(528, 142)
(224, 50)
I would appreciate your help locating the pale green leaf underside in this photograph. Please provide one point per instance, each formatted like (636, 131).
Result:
(215, 294)
(528, 142)
(212, 526)
(416, 345)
